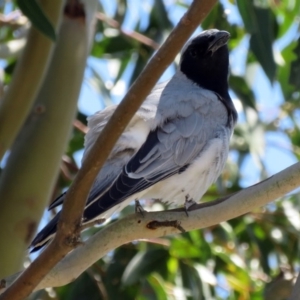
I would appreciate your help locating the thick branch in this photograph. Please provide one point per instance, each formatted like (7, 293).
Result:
(23, 89)
(135, 227)
(69, 224)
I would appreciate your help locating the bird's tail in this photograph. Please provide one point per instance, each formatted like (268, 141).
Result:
(45, 235)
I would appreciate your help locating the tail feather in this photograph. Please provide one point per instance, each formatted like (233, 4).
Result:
(45, 235)
(59, 200)
(122, 189)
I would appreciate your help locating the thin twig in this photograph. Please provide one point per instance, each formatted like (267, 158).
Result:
(132, 34)
(80, 126)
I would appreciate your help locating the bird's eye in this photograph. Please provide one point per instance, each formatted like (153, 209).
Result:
(193, 53)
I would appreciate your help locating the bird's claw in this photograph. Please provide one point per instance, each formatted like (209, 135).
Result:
(188, 203)
(139, 209)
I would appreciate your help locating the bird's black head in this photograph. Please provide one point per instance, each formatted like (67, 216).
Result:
(205, 60)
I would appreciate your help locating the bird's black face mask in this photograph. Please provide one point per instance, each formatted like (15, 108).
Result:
(209, 53)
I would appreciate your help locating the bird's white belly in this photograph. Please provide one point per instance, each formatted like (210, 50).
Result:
(195, 180)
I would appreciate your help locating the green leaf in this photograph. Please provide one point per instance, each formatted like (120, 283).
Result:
(217, 19)
(286, 12)
(85, 287)
(117, 44)
(76, 142)
(261, 41)
(262, 25)
(37, 17)
(295, 136)
(143, 264)
(284, 72)
(160, 14)
(295, 68)
(183, 248)
(242, 90)
(113, 274)
(191, 280)
(158, 286)
(246, 10)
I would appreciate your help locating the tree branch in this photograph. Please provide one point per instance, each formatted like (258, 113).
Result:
(135, 226)
(69, 225)
(133, 34)
(22, 90)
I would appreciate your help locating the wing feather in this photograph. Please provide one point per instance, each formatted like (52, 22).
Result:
(168, 150)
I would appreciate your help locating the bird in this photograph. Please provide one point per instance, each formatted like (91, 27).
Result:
(175, 146)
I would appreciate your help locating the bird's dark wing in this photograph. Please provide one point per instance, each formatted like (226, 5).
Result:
(44, 236)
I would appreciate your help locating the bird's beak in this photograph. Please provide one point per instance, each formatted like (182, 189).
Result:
(221, 39)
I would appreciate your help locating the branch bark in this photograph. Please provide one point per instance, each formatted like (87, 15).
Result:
(22, 90)
(135, 226)
(69, 225)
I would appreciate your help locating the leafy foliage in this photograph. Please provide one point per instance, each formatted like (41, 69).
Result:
(36, 15)
(244, 258)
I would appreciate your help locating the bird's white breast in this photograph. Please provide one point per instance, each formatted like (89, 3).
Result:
(194, 182)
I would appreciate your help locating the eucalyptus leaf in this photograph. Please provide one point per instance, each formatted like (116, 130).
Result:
(37, 17)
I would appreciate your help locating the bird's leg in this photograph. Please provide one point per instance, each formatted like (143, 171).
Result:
(188, 203)
(138, 208)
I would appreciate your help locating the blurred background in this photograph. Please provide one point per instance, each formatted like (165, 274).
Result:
(255, 256)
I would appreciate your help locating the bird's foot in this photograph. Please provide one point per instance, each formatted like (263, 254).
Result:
(188, 203)
(139, 208)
